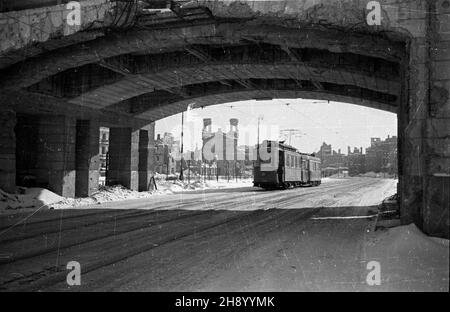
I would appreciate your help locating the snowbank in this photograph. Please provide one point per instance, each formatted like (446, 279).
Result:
(105, 194)
(31, 198)
(172, 187)
(386, 188)
(372, 174)
(43, 198)
(410, 260)
(118, 192)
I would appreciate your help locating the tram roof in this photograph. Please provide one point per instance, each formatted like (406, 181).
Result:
(284, 146)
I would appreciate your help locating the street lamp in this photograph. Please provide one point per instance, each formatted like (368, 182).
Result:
(181, 163)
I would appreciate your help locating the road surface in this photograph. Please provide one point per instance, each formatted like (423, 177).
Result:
(235, 239)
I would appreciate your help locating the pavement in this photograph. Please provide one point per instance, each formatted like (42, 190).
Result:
(233, 239)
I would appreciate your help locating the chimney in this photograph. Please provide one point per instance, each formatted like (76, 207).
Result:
(207, 124)
(234, 124)
(234, 128)
(206, 133)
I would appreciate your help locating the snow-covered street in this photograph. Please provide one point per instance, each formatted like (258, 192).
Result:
(223, 239)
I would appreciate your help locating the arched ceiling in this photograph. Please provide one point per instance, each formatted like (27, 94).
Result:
(153, 73)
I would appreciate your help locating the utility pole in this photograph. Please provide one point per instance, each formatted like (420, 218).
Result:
(167, 164)
(189, 171)
(181, 163)
(260, 117)
(217, 172)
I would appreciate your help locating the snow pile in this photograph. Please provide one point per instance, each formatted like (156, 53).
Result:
(31, 198)
(105, 194)
(410, 260)
(372, 174)
(170, 187)
(224, 183)
(118, 192)
(330, 179)
(40, 197)
(377, 193)
(176, 186)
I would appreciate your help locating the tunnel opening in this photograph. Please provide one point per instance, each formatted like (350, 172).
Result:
(342, 160)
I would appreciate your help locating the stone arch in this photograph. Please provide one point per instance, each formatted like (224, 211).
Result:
(413, 37)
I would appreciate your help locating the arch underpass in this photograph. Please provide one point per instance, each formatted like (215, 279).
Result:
(126, 73)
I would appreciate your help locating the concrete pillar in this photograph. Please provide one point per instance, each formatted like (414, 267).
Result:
(7, 150)
(87, 157)
(436, 143)
(123, 157)
(55, 164)
(146, 157)
(424, 128)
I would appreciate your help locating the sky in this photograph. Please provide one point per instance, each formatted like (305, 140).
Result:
(315, 122)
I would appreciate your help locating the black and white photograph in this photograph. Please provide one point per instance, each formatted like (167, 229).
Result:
(224, 152)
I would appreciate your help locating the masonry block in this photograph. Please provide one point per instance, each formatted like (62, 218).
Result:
(146, 157)
(7, 151)
(437, 203)
(55, 164)
(87, 157)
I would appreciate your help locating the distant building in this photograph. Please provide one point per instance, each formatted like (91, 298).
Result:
(381, 156)
(356, 161)
(163, 159)
(168, 139)
(332, 162)
(325, 151)
(222, 156)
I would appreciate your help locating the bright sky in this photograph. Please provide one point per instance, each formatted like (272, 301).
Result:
(338, 124)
